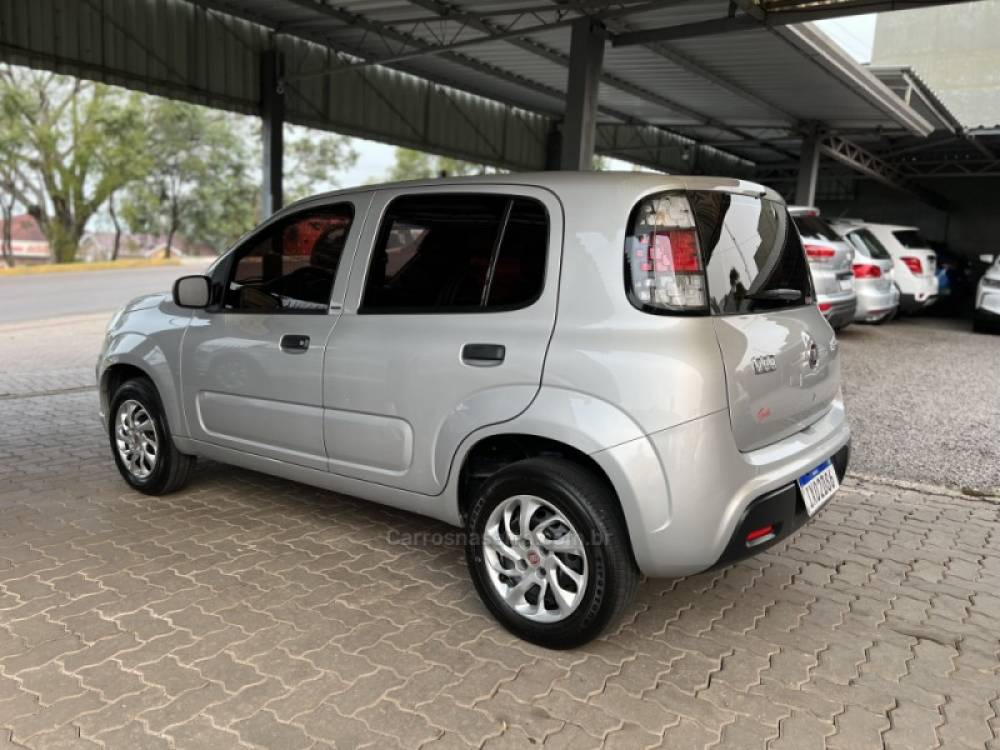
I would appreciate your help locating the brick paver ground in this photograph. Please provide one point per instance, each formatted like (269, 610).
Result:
(248, 611)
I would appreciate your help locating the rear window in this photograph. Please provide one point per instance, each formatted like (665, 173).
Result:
(868, 244)
(740, 256)
(911, 238)
(815, 226)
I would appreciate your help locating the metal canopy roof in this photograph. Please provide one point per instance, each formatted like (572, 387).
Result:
(733, 80)
(703, 86)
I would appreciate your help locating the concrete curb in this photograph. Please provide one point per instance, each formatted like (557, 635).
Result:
(46, 268)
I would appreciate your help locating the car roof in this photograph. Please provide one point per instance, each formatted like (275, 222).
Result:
(566, 183)
(892, 227)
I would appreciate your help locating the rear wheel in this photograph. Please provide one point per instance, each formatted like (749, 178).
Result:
(141, 442)
(548, 552)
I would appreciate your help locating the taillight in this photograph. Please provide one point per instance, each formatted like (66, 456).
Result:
(914, 264)
(866, 271)
(663, 259)
(821, 253)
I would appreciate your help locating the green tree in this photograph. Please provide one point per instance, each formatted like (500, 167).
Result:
(80, 142)
(12, 153)
(199, 184)
(312, 161)
(418, 165)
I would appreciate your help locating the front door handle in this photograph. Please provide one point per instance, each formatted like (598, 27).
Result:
(294, 344)
(483, 355)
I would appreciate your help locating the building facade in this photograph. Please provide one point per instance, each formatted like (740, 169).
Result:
(955, 49)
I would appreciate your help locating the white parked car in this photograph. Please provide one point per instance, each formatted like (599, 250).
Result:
(914, 264)
(596, 375)
(987, 312)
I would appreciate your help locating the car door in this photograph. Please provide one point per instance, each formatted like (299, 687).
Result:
(252, 374)
(448, 318)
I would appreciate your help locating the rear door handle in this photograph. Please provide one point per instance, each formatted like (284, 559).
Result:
(483, 355)
(294, 343)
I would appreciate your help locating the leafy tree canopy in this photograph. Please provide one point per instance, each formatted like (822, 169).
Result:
(76, 143)
(417, 165)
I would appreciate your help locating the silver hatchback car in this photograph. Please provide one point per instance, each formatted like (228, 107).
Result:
(597, 375)
(830, 261)
(878, 295)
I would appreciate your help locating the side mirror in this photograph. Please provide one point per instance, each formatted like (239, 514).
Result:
(192, 291)
(987, 257)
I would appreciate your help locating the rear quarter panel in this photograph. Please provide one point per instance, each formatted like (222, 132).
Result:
(659, 370)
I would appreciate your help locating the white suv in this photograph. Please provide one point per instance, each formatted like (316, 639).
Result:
(914, 264)
(597, 375)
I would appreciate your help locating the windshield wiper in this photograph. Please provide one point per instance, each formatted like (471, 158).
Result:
(779, 295)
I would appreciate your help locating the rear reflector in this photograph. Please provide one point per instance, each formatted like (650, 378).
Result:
(819, 252)
(825, 306)
(760, 533)
(867, 271)
(913, 264)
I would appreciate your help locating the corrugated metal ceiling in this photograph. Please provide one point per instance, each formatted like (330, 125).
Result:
(762, 78)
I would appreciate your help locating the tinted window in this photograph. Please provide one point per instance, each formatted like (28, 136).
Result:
(911, 238)
(815, 226)
(290, 266)
(753, 258)
(519, 273)
(457, 252)
(868, 244)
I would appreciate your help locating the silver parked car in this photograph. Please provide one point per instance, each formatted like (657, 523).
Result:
(878, 295)
(596, 375)
(830, 260)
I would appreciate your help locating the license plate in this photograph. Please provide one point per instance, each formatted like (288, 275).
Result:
(818, 486)
(846, 284)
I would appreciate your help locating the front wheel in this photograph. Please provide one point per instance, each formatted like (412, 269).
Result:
(548, 552)
(141, 442)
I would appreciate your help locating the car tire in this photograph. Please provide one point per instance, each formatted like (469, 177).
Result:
(141, 443)
(535, 568)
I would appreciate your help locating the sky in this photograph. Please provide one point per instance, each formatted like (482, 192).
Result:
(855, 34)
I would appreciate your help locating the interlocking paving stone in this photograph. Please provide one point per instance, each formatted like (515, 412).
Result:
(246, 611)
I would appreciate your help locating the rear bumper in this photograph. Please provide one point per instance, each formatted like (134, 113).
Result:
(840, 312)
(685, 498)
(874, 305)
(782, 509)
(914, 302)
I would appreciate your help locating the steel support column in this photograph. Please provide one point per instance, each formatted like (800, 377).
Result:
(272, 114)
(805, 184)
(586, 54)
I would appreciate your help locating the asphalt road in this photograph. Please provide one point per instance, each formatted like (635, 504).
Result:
(51, 295)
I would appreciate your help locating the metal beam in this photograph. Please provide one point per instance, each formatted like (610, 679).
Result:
(865, 162)
(272, 114)
(585, 60)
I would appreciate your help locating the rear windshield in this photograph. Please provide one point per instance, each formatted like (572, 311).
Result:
(750, 252)
(713, 252)
(868, 244)
(911, 238)
(815, 226)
